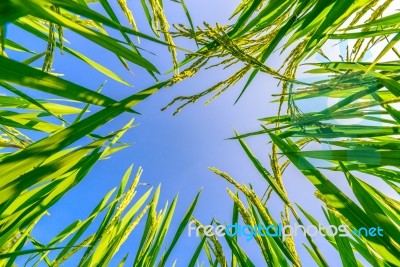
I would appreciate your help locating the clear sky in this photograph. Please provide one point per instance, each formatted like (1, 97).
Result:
(176, 151)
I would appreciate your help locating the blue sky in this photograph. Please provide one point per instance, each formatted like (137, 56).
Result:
(176, 151)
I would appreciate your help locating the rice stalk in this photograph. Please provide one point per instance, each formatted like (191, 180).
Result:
(51, 44)
(161, 22)
(217, 250)
(249, 220)
(132, 226)
(128, 13)
(357, 56)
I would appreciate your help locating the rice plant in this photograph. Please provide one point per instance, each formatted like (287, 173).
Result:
(362, 89)
(36, 174)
